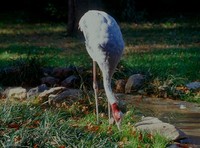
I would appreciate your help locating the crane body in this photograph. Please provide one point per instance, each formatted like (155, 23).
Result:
(104, 44)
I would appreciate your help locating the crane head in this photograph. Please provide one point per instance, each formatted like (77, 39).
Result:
(117, 114)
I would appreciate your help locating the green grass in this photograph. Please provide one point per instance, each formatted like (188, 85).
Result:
(25, 124)
(55, 57)
(178, 62)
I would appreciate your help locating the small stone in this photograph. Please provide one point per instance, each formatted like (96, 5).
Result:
(16, 93)
(102, 115)
(134, 83)
(193, 85)
(182, 106)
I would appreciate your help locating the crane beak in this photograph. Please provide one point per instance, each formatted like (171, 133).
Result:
(117, 115)
(118, 122)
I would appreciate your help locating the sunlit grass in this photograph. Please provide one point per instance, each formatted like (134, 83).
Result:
(163, 63)
(30, 29)
(54, 57)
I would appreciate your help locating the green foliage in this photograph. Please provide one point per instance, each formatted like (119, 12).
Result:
(24, 71)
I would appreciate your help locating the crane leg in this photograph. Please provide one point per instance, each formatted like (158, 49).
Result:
(109, 114)
(95, 87)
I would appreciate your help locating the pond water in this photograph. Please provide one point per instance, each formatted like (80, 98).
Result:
(184, 115)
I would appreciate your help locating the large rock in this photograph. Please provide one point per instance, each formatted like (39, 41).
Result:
(15, 92)
(154, 126)
(44, 95)
(50, 81)
(47, 71)
(62, 73)
(134, 83)
(34, 92)
(69, 96)
(193, 85)
(70, 81)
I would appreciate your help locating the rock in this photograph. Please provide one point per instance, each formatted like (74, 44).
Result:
(148, 120)
(120, 86)
(51, 81)
(44, 95)
(69, 95)
(1, 92)
(62, 73)
(182, 106)
(193, 85)
(70, 81)
(134, 83)
(15, 92)
(154, 126)
(33, 92)
(47, 71)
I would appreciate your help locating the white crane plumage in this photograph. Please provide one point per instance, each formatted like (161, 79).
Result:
(104, 43)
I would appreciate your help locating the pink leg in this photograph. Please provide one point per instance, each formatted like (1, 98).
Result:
(109, 114)
(95, 87)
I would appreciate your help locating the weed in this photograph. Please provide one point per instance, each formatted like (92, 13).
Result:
(24, 71)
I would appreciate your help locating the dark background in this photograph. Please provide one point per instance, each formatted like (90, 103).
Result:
(123, 10)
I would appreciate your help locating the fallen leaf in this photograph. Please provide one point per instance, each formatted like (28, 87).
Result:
(140, 137)
(150, 136)
(36, 122)
(75, 125)
(121, 144)
(92, 128)
(183, 145)
(133, 131)
(17, 139)
(62, 146)
(35, 146)
(109, 131)
(14, 125)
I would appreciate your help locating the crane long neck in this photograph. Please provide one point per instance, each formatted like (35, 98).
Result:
(108, 89)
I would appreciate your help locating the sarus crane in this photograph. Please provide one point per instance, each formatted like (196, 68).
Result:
(104, 44)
